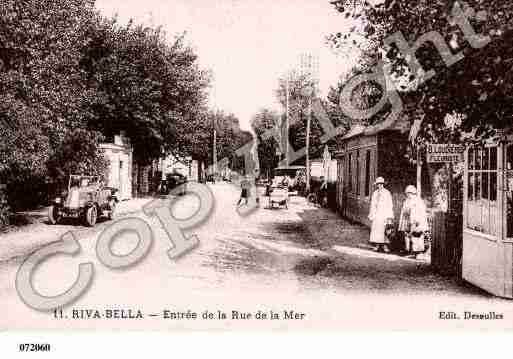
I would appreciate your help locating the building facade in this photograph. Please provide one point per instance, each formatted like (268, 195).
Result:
(187, 167)
(368, 152)
(487, 258)
(119, 173)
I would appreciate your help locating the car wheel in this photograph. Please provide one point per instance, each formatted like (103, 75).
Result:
(53, 215)
(112, 212)
(91, 216)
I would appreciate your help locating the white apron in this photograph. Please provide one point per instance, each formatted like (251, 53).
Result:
(382, 209)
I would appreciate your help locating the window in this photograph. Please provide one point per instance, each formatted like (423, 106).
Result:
(340, 189)
(350, 174)
(358, 189)
(367, 173)
(482, 210)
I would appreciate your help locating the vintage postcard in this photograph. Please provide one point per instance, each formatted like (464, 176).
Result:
(229, 165)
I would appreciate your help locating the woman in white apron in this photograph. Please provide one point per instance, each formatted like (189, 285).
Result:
(413, 221)
(381, 212)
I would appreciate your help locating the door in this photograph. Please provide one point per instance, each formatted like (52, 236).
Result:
(508, 191)
(122, 180)
(486, 260)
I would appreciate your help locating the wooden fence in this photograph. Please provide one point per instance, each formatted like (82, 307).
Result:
(447, 243)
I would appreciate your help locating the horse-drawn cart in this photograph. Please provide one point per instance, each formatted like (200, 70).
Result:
(279, 197)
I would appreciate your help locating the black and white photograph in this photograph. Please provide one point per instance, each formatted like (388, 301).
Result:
(256, 165)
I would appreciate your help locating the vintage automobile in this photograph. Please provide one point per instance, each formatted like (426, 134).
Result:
(86, 199)
(279, 196)
(172, 181)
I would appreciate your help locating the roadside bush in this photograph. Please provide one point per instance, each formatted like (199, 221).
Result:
(26, 191)
(4, 208)
(80, 154)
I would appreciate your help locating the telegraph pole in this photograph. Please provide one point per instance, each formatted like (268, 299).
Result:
(287, 89)
(308, 124)
(310, 71)
(215, 147)
(214, 125)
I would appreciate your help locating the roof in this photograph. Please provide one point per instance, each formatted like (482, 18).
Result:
(394, 121)
(290, 168)
(354, 131)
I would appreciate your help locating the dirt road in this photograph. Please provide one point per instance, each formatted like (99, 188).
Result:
(304, 259)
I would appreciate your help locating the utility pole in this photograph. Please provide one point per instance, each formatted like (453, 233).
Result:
(215, 147)
(309, 71)
(287, 120)
(214, 126)
(308, 124)
(419, 171)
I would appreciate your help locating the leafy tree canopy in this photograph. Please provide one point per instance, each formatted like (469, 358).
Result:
(144, 85)
(478, 87)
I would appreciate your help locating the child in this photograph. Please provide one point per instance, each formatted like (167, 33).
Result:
(244, 194)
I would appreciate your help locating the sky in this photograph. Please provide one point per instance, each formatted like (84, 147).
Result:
(247, 44)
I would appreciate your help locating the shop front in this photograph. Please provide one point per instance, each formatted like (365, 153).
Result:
(368, 152)
(487, 260)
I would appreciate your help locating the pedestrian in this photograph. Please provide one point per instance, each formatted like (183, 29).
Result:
(244, 193)
(285, 182)
(257, 197)
(268, 187)
(413, 222)
(268, 191)
(323, 192)
(381, 212)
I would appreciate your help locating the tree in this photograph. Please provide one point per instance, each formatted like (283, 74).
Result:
(195, 137)
(42, 91)
(268, 148)
(66, 71)
(230, 138)
(79, 154)
(300, 96)
(470, 56)
(146, 87)
(299, 88)
(481, 79)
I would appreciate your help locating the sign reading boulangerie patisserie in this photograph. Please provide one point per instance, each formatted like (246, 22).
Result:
(444, 152)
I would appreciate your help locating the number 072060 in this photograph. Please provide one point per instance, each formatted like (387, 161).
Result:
(30, 347)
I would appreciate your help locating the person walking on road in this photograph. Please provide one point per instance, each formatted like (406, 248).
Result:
(268, 191)
(244, 193)
(381, 212)
(323, 192)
